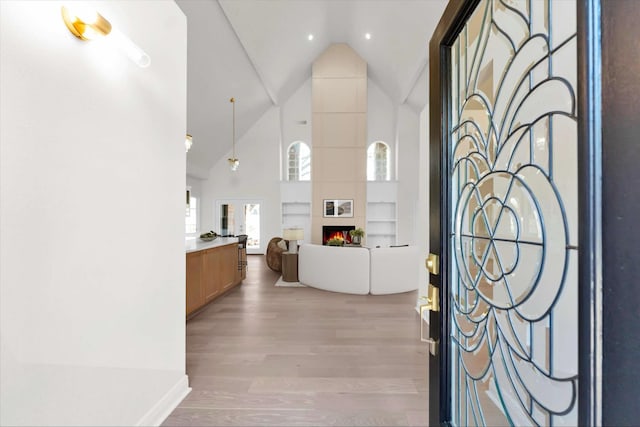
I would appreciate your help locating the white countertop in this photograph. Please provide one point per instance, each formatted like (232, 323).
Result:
(195, 245)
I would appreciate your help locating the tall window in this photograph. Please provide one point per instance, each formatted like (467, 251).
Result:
(191, 220)
(378, 162)
(299, 162)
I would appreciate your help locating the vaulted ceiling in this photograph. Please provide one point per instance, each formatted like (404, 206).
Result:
(258, 52)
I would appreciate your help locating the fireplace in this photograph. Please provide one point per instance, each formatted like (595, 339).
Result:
(339, 231)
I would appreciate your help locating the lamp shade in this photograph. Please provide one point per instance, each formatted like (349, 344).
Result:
(293, 234)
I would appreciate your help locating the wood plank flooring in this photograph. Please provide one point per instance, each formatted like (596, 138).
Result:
(270, 356)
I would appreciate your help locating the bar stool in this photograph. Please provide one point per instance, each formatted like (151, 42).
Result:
(242, 251)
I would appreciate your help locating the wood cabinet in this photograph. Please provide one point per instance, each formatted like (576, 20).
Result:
(195, 293)
(227, 267)
(210, 273)
(211, 264)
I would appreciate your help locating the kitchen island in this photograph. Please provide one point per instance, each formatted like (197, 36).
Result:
(212, 269)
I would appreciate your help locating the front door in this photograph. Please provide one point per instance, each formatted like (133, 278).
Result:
(505, 214)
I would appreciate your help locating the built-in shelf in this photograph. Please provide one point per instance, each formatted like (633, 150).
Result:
(381, 222)
(295, 199)
(296, 210)
(297, 214)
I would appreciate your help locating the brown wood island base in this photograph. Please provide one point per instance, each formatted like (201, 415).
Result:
(211, 271)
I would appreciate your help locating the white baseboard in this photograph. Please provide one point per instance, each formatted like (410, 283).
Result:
(161, 410)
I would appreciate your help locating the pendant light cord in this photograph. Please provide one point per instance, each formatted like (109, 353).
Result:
(233, 127)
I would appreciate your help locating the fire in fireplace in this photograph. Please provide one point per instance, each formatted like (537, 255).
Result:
(337, 231)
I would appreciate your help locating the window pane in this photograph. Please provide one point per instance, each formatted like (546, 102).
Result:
(378, 162)
(299, 162)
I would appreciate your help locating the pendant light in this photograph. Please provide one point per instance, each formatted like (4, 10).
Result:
(233, 161)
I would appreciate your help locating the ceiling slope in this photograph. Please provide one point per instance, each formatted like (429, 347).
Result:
(258, 52)
(274, 34)
(218, 69)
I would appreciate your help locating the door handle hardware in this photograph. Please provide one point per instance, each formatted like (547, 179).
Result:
(433, 344)
(432, 298)
(433, 264)
(432, 304)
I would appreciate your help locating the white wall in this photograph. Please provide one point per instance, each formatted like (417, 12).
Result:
(262, 147)
(408, 176)
(381, 121)
(297, 109)
(256, 178)
(92, 172)
(195, 186)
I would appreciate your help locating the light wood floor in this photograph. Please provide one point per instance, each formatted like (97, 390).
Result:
(269, 356)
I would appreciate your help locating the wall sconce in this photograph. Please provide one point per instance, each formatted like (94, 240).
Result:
(233, 161)
(87, 24)
(293, 235)
(188, 142)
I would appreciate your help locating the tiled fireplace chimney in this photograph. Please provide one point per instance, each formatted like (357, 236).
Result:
(339, 160)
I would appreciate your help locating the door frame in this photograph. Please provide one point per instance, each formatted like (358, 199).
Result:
(588, 89)
(217, 218)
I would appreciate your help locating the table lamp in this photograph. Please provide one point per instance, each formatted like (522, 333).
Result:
(293, 235)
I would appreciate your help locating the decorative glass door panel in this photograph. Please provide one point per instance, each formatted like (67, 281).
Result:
(514, 215)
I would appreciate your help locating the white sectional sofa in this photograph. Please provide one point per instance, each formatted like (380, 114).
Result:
(356, 270)
(334, 269)
(394, 270)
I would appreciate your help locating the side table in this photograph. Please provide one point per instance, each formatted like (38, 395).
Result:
(289, 267)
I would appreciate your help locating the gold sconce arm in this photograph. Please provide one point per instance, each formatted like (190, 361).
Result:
(85, 26)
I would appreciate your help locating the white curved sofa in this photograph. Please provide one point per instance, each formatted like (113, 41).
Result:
(355, 270)
(334, 269)
(394, 270)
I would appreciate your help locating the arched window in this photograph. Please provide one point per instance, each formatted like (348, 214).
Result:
(299, 162)
(378, 164)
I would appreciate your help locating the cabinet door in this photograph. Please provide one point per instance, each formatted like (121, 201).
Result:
(229, 266)
(211, 274)
(195, 297)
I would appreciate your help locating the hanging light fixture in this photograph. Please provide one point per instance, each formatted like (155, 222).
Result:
(233, 161)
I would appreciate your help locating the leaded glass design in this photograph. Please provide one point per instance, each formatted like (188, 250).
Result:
(513, 163)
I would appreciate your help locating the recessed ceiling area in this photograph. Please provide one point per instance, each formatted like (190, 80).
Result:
(261, 51)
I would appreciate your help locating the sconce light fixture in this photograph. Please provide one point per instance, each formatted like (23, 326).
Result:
(188, 142)
(87, 24)
(233, 161)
